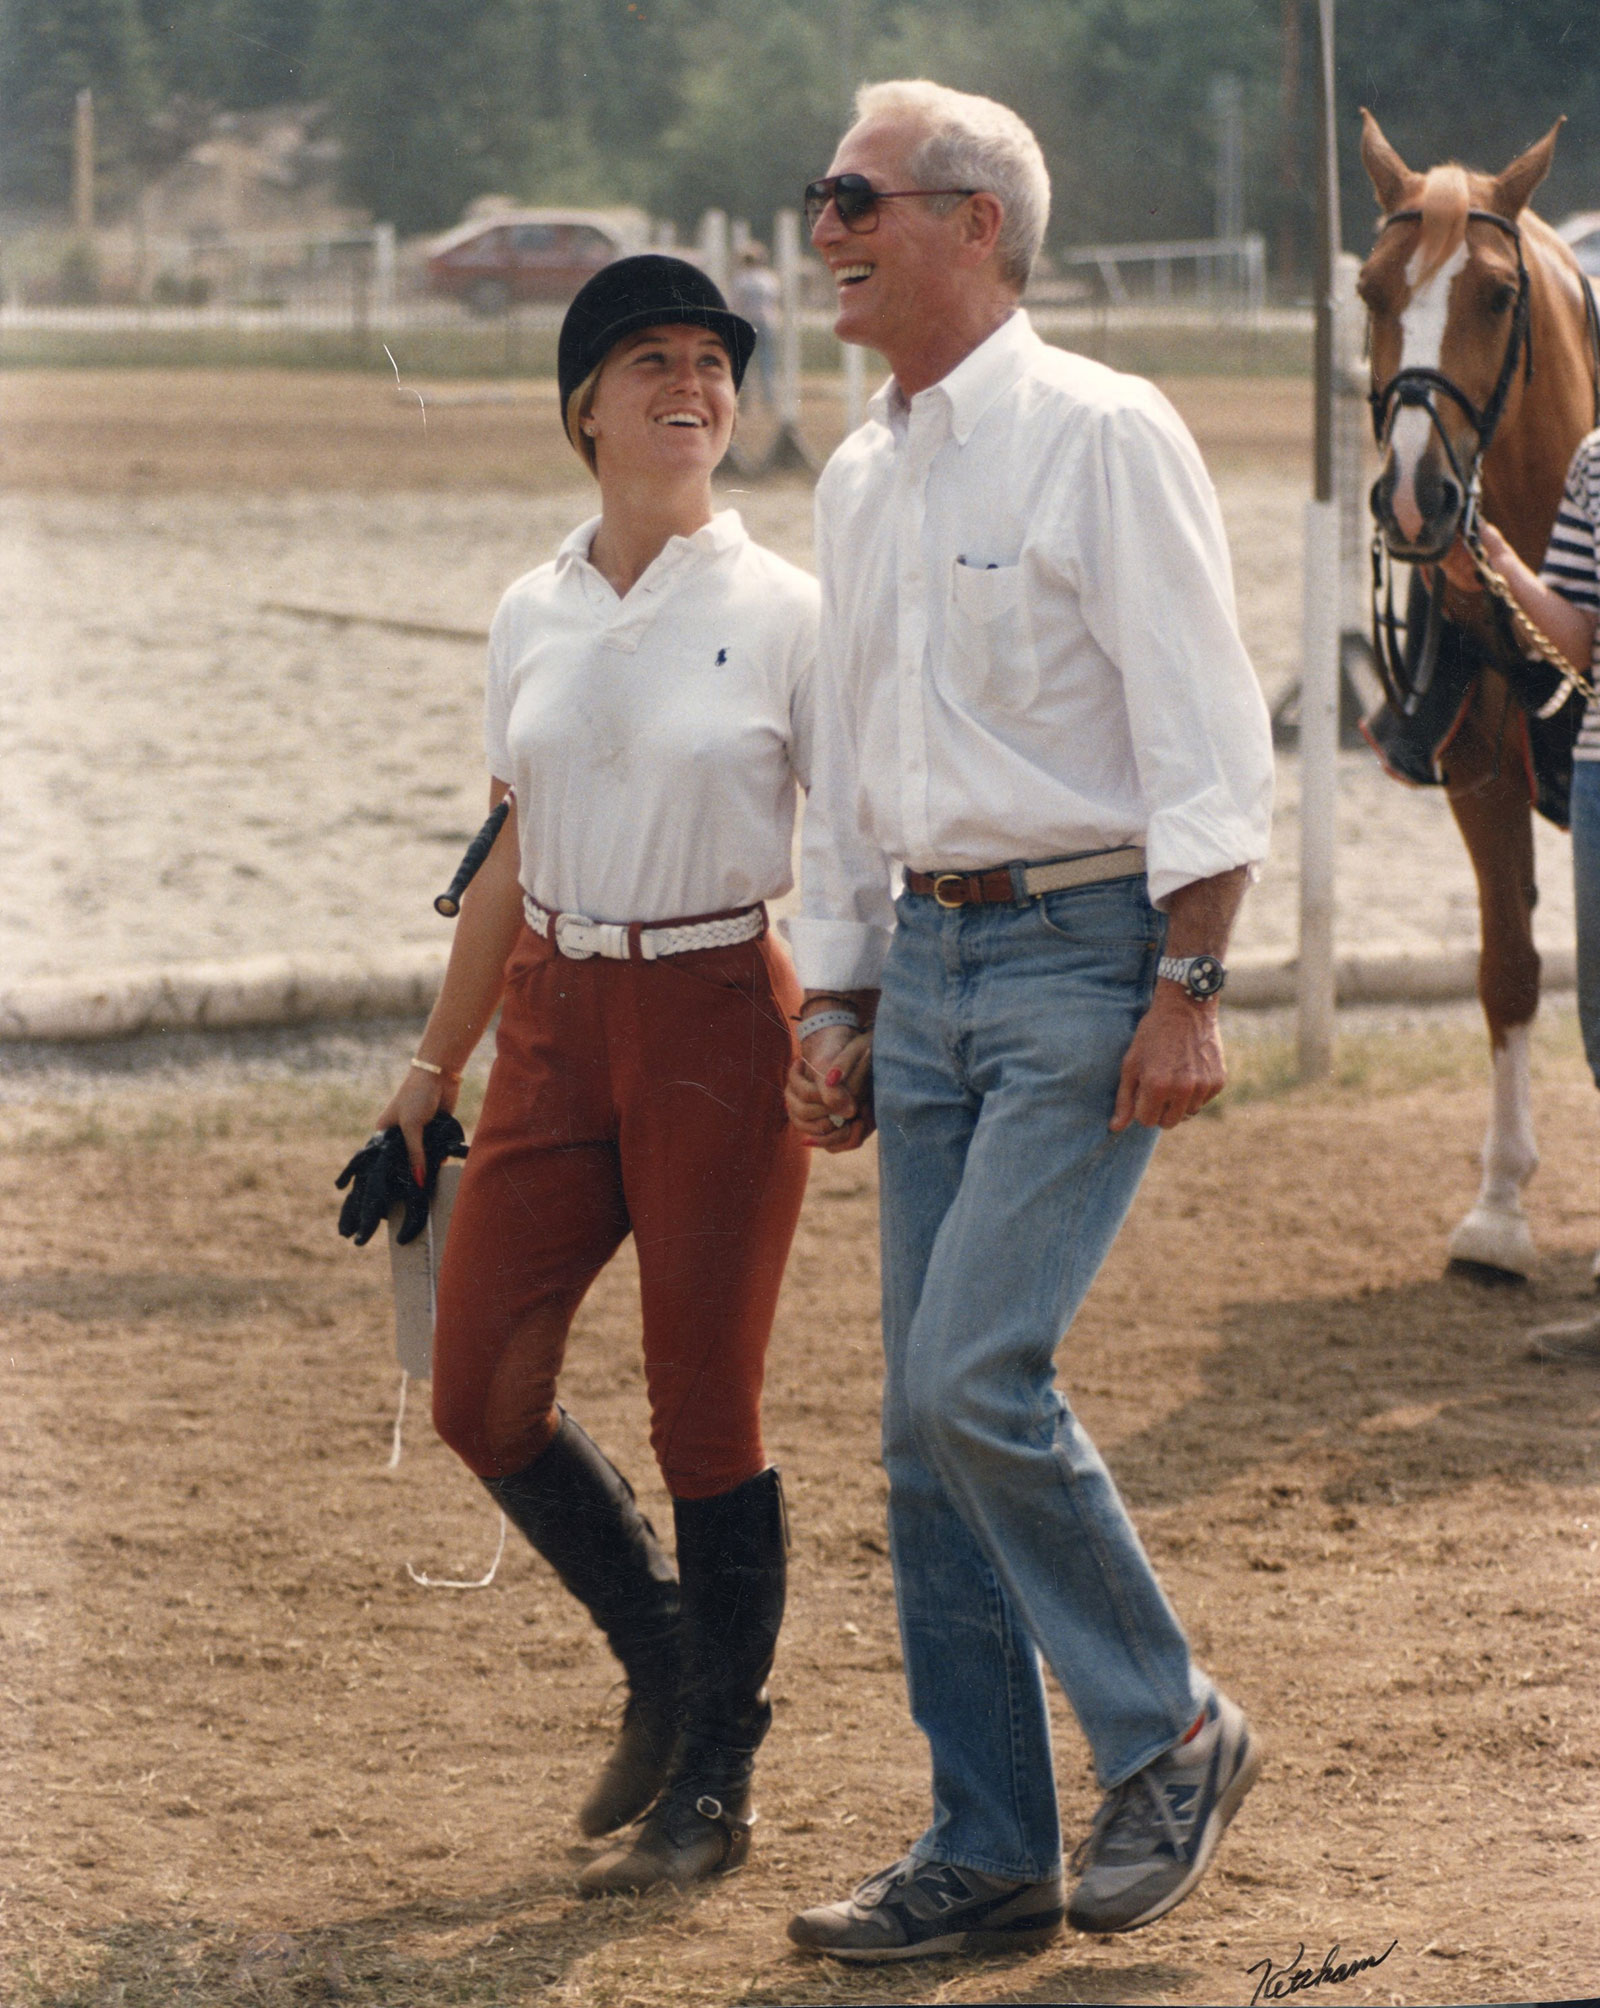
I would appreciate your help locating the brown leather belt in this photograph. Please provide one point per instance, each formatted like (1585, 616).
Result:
(1015, 885)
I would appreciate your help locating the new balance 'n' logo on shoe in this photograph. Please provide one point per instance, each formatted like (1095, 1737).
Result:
(916, 1909)
(1156, 1832)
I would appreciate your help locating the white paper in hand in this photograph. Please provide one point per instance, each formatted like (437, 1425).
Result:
(415, 1270)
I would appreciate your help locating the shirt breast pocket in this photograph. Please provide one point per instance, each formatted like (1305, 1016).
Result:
(990, 660)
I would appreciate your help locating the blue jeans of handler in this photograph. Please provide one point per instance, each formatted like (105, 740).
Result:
(1001, 1035)
(1586, 888)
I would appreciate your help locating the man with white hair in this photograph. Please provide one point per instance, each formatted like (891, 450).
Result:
(1033, 699)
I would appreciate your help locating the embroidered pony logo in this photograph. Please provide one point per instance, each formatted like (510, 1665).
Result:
(722, 657)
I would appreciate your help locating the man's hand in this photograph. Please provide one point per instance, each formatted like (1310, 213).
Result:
(1174, 1066)
(829, 1090)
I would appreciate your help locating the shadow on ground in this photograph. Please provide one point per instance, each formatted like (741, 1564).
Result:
(506, 1955)
(1404, 1393)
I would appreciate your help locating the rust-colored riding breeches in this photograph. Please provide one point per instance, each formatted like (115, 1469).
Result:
(626, 1096)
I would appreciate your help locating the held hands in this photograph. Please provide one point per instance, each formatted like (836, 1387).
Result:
(829, 1090)
(1174, 1065)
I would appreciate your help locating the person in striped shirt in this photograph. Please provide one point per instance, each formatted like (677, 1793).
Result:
(1563, 598)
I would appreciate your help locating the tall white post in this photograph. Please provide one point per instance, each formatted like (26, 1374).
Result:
(1319, 786)
(714, 246)
(786, 230)
(83, 162)
(855, 384)
(1319, 666)
(383, 272)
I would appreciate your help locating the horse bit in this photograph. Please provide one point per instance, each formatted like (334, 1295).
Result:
(1419, 387)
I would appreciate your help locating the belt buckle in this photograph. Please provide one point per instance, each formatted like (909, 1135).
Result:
(576, 936)
(957, 879)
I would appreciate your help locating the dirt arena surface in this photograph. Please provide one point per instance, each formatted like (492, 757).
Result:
(246, 1759)
(198, 772)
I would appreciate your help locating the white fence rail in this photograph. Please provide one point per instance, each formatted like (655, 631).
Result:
(1232, 268)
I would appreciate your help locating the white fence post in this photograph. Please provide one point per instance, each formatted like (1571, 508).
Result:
(786, 231)
(383, 272)
(788, 450)
(855, 384)
(714, 246)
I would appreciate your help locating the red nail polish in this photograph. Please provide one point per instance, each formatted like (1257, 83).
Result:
(418, 1173)
(835, 1076)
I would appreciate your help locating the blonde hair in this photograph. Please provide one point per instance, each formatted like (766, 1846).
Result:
(972, 142)
(579, 406)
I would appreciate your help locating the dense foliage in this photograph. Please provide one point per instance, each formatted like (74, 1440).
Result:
(678, 104)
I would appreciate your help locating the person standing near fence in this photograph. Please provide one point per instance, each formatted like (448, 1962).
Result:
(758, 295)
(1033, 698)
(649, 703)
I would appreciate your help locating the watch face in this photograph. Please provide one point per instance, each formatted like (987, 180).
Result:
(1206, 976)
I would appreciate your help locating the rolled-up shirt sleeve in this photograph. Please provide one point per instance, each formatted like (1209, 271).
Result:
(1156, 588)
(840, 937)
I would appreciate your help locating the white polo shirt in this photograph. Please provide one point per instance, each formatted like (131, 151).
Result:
(655, 742)
(1028, 649)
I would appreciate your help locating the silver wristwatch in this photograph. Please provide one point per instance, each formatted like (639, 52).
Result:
(1201, 975)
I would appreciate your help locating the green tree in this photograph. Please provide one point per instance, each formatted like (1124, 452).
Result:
(236, 54)
(49, 51)
(1476, 81)
(761, 112)
(431, 101)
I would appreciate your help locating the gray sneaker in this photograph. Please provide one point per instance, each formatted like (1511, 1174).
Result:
(1156, 1832)
(916, 1909)
(1576, 1344)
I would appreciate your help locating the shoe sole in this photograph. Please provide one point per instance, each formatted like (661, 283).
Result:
(1020, 1938)
(1221, 1814)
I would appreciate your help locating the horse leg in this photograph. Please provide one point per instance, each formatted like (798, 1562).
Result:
(1496, 822)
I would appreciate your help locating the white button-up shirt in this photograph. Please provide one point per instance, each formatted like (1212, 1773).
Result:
(655, 741)
(1028, 649)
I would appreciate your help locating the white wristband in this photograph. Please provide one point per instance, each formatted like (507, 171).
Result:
(820, 1021)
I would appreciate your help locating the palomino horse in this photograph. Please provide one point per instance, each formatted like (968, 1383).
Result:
(1485, 368)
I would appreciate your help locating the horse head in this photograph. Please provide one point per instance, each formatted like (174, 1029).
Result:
(1447, 292)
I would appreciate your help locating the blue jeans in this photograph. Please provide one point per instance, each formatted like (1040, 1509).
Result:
(1001, 1034)
(1586, 888)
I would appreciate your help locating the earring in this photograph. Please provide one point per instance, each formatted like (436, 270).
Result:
(589, 427)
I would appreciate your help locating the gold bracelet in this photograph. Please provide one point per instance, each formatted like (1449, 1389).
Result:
(428, 1067)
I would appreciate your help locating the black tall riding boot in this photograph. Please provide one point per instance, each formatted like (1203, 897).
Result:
(732, 1567)
(578, 1511)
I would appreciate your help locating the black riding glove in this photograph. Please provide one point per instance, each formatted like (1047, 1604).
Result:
(379, 1177)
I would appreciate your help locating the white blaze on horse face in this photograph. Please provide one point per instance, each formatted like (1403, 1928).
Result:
(1422, 327)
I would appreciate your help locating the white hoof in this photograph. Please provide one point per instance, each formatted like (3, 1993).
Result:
(1495, 1240)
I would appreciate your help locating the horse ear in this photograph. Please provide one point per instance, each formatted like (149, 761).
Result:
(1513, 187)
(1390, 177)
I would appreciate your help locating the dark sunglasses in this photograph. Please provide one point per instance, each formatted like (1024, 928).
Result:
(857, 200)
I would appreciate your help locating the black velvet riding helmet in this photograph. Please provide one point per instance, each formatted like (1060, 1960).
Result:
(648, 291)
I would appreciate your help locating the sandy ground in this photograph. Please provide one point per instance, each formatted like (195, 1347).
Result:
(246, 1759)
(191, 775)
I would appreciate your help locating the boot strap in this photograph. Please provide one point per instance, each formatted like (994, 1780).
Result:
(711, 1809)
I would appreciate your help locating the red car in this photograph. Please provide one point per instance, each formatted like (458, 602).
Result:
(525, 254)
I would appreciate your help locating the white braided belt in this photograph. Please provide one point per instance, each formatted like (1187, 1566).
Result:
(579, 937)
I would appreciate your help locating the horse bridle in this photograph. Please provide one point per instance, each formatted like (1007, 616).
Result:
(1407, 676)
(1418, 385)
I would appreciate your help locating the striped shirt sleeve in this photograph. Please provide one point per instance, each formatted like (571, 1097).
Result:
(1572, 557)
